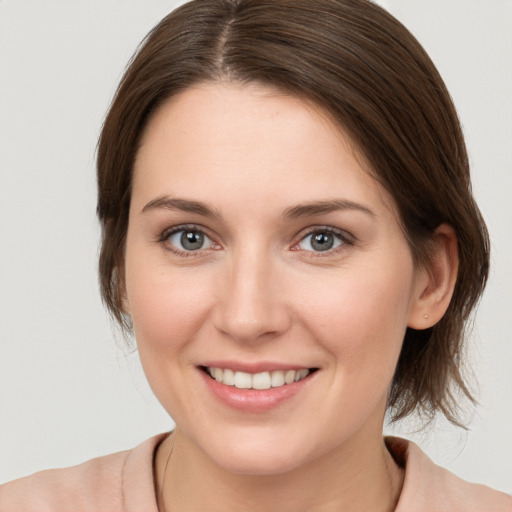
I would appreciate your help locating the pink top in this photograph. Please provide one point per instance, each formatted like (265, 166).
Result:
(123, 482)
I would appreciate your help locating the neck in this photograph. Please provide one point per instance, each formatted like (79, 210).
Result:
(359, 477)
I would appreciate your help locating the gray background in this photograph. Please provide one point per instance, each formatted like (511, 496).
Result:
(69, 391)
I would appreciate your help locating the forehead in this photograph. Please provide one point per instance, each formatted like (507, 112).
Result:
(249, 138)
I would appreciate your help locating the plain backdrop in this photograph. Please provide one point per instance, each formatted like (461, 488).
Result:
(69, 390)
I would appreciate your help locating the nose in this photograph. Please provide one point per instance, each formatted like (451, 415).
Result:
(251, 305)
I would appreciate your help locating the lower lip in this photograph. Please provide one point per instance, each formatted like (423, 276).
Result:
(254, 400)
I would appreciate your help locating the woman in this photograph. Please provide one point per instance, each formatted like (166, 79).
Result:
(289, 230)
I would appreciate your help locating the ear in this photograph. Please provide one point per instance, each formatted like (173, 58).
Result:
(436, 281)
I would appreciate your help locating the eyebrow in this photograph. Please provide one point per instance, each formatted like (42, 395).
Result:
(184, 205)
(294, 212)
(323, 207)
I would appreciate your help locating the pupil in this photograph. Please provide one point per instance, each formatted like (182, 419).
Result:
(192, 240)
(322, 242)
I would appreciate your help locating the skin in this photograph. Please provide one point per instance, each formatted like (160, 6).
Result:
(258, 291)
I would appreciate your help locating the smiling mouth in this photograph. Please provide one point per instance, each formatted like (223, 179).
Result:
(259, 381)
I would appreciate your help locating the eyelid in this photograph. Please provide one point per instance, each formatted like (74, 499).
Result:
(167, 233)
(346, 238)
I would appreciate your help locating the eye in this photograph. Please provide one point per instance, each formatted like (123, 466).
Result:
(188, 240)
(322, 240)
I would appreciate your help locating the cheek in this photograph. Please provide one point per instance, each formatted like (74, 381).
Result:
(167, 308)
(361, 321)
(168, 311)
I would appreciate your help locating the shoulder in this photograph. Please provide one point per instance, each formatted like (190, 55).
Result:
(428, 487)
(120, 481)
(86, 487)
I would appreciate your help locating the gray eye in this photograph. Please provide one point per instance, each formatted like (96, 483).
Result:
(190, 240)
(320, 241)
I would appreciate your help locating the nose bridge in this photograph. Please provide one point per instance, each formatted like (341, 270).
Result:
(251, 305)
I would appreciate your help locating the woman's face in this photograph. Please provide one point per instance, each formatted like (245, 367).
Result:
(261, 252)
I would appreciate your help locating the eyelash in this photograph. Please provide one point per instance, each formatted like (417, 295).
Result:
(345, 238)
(164, 239)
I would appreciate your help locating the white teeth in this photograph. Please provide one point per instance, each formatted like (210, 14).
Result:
(229, 377)
(243, 380)
(263, 380)
(289, 377)
(277, 379)
(301, 374)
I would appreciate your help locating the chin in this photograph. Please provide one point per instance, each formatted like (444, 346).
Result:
(257, 453)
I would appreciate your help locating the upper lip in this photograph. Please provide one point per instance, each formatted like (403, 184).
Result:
(254, 367)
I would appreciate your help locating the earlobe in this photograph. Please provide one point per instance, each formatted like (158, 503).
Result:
(436, 281)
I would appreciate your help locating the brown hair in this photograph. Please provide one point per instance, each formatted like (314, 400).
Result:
(370, 74)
